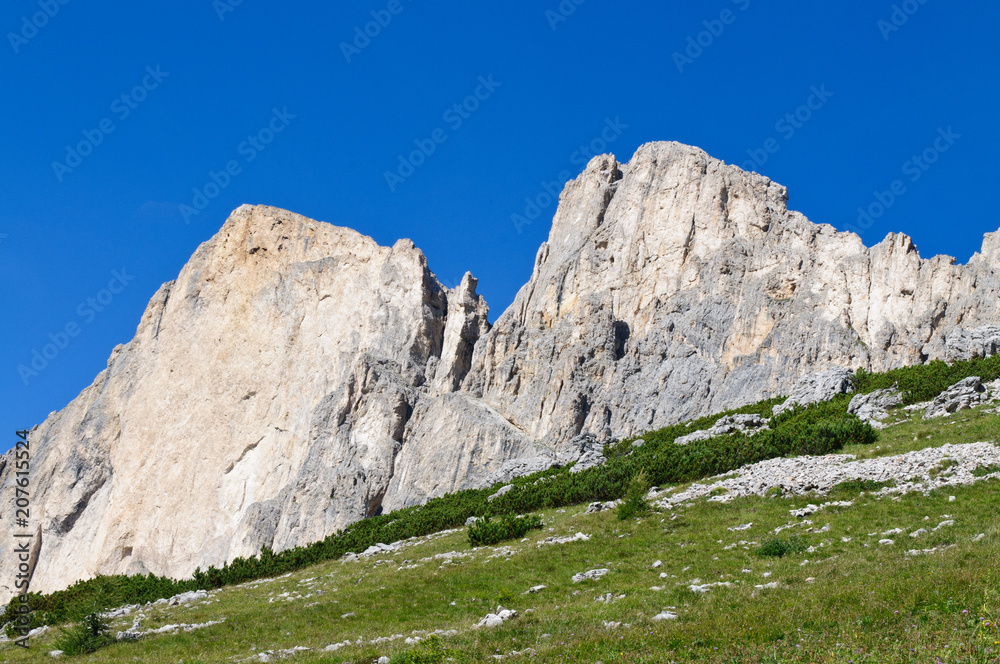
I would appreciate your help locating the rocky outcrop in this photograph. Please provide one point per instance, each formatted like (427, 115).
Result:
(749, 424)
(816, 387)
(981, 341)
(297, 376)
(966, 393)
(874, 406)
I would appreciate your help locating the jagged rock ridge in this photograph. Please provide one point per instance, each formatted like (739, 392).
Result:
(297, 377)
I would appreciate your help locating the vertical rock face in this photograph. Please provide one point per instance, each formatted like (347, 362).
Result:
(262, 402)
(676, 285)
(297, 377)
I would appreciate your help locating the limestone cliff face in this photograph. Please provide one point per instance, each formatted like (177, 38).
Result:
(676, 285)
(297, 377)
(262, 402)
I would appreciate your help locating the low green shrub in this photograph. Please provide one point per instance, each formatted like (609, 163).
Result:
(431, 651)
(857, 486)
(776, 547)
(634, 503)
(488, 530)
(925, 381)
(89, 635)
(983, 471)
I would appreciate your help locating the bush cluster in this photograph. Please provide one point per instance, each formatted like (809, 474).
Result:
(91, 634)
(777, 547)
(634, 503)
(487, 531)
(926, 381)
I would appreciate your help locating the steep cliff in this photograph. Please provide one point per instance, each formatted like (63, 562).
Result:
(297, 377)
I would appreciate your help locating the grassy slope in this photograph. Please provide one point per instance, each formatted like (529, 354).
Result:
(866, 603)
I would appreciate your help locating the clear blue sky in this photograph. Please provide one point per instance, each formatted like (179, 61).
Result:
(219, 72)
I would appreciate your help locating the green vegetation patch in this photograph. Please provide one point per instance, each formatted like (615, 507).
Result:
(487, 531)
(778, 547)
(926, 381)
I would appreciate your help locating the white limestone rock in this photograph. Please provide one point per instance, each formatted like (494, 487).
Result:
(725, 425)
(873, 407)
(592, 575)
(818, 386)
(966, 393)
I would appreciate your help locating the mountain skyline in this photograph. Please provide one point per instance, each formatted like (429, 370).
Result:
(315, 127)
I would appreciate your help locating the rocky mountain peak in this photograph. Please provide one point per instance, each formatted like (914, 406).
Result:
(297, 376)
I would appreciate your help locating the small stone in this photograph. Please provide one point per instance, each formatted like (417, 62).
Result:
(593, 574)
(665, 615)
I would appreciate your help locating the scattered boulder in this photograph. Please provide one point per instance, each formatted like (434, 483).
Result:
(55, 653)
(376, 549)
(591, 459)
(818, 386)
(964, 394)
(872, 407)
(519, 468)
(133, 633)
(502, 491)
(593, 574)
(185, 598)
(579, 537)
(496, 619)
(665, 615)
(471, 520)
(534, 589)
(725, 425)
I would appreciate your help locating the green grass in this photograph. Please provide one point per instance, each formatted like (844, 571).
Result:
(852, 600)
